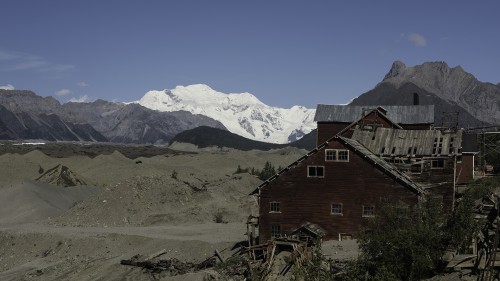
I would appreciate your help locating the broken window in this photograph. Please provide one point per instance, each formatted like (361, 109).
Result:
(275, 207)
(451, 150)
(316, 171)
(336, 209)
(339, 155)
(437, 164)
(275, 230)
(368, 210)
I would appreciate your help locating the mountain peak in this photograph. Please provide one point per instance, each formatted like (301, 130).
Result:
(240, 113)
(451, 84)
(396, 69)
(195, 88)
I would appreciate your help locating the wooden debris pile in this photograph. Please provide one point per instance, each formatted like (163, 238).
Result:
(268, 261)
(275, 259)
(174, 266)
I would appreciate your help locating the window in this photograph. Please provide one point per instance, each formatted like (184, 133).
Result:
(275, 207)
(336, 209)
(275, 230)
(368, 210)
(316, 171)
(437, 164)
(338, 155)
(331, 155)
(343, 155)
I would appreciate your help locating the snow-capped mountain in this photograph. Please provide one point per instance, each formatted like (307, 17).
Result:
(242, 114)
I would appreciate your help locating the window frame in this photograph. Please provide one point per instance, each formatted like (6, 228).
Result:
(316, 171)
(274, 207)
(366, 214)
(337, 155)
(275, 230)
(437, 166)
(341, 213)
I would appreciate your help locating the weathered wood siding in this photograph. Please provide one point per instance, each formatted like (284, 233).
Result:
(437, 181)
(326, 130)
(465, 169)
(305, 199)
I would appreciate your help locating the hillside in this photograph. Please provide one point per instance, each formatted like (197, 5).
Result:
(207, 136)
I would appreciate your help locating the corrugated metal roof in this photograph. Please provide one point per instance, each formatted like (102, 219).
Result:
(388, 141)
(401, 114)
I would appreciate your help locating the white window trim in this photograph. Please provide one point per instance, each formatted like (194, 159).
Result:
(337, 155)
(270, 207)
(341, 209)
(363, 211)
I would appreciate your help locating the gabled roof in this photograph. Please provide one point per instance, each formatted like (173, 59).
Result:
(401, 114)
(366, 154)
(379, 111)
(409, 142)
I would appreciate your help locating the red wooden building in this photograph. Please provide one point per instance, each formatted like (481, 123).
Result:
(358, 165)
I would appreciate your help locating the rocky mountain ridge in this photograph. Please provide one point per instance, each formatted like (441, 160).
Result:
(160, 115)
(454, 85)
(17, 122)
(25, 115)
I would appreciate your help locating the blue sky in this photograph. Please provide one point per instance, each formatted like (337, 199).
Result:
(284, 52)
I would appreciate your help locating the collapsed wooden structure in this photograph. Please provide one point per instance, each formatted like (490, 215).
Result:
(365, 157)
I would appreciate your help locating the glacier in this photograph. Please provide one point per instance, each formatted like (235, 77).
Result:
(240, 113)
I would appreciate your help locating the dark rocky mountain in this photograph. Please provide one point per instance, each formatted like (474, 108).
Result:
(27, 101)
(26, 125)
(133, 123)
(449, 89)
(25, 115)
(207, 136)
(388, 94)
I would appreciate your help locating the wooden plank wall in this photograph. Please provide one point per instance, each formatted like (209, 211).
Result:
(353, 184)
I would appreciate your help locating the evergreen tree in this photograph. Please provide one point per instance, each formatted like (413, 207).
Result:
(268, 171)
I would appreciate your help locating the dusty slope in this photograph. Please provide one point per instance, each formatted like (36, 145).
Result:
(139, 208)
(30, 201)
